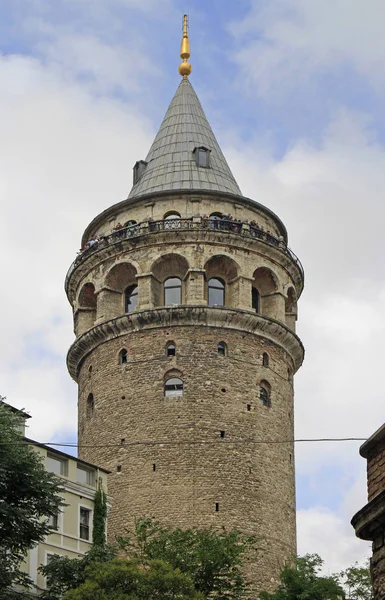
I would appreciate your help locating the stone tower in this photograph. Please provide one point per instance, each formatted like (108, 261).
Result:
(185, 345)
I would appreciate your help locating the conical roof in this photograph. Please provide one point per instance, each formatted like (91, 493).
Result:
(172, 164)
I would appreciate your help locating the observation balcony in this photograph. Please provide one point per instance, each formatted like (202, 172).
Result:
(193, 224)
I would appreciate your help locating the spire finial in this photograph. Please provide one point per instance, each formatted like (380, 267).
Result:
(185, 68)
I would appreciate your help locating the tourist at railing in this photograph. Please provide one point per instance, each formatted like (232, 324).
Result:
(223, 223)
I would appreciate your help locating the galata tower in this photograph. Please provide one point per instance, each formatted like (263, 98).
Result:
(185, 303)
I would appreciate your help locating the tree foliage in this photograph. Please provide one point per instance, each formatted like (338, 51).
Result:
(99, 519)
(28, 496)
(357, 581)
(211, 561)
(127, 580)
(302, 581)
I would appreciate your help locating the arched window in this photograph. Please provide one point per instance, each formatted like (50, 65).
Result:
(216, 289)
(172, 220)
(172, 291)
(264, 393)
(131, 298)
(170, 349)
(222, 348)
(265, 359)
(123, 356)
(255, 299)
(90, 405)
(173, 387)
(171, 215)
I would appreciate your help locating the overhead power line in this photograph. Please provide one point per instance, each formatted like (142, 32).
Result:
(185, 442)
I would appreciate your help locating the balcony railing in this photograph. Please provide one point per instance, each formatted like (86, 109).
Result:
(192, 224)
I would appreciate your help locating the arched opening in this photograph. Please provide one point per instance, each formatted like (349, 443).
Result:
(172, 291)
(130, 298)
(255, 302)
(216, 292)
(87, 297)
(172, 220)
(265, 393)
(86, 315)
(170, 349)
(123, 356)
(90, 405)
(265, 359)
(120, 294)
(173, 386)
(222, 348)
(168, 286)
(266, 285)
(172, 214)
(222, 276)
(130, 223)
(291, 308)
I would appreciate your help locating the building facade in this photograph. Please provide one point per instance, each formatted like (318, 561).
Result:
(71, 528)
(185, 302)
(369, 522)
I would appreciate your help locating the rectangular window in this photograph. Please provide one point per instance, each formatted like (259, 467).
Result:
(84, 523)
(85, 476)
(57, 465)
(53, 522)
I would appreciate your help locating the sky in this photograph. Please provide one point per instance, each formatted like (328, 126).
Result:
(294, 91)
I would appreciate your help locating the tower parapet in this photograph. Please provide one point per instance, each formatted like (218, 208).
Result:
(185, 302)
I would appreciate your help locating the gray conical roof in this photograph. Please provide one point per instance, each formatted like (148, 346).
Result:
(171, 162)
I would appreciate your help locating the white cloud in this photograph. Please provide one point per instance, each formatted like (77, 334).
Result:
(66, 156)
(291, 40)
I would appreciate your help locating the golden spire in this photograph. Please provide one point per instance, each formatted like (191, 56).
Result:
(185, 68)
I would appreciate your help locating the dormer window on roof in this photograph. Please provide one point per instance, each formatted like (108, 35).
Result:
(202, 156)
(139, 168)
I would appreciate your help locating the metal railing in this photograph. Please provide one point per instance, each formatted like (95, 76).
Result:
(194, 223)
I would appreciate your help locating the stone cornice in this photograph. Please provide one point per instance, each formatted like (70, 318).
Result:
(370, 520)
(185, 316)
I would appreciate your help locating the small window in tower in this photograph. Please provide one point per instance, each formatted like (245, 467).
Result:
(90, 406)
(265, 359)
(173, 387)
(130, 298)
(222, 434)
(154, 467)
(248, 407)
(202, 156)
(171, 349)
(123, 356)
(217, 507)
(119, 468)
(264, 393)
(216, 292)
(222, 348)
(255, 301)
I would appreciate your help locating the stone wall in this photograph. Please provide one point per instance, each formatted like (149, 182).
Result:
(376, 469)
(166, 454)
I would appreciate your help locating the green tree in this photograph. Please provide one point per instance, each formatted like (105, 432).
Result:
(100, 517)
(302, 581)
(28, 496)
(127, 580)
(212, 559)
(357, 581)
